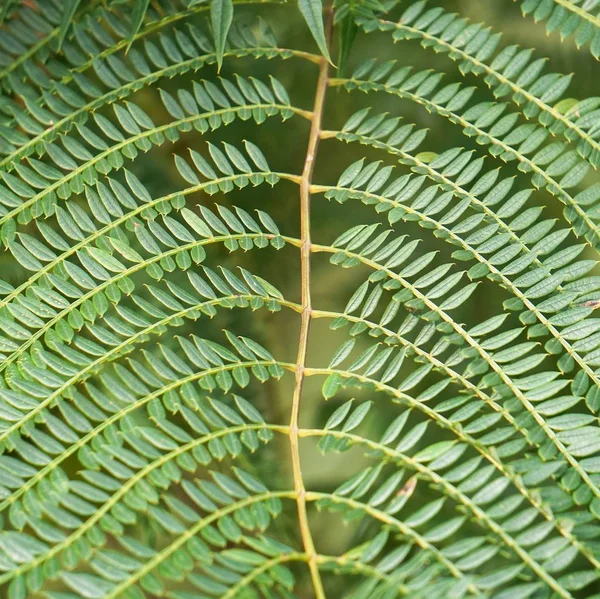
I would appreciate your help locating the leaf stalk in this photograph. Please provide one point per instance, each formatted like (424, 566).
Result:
(305, 255)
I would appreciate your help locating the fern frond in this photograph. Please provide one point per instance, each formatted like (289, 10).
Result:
(569, 18)
(150, 65)
(510, 71)
(564, 170)
(426, 289)
(29, 32)
(507, 249)
(159, 426)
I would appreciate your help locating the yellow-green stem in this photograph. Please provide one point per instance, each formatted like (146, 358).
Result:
(305, 252)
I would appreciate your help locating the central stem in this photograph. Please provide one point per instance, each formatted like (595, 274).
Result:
(305, 252)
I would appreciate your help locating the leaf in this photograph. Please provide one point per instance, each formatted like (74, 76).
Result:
(312, 11)
(342, 353)
(339, 415)
(138, 13)
(357, 416)
(6, 8)
(17, 588)
(257, 156)
(70, 8)
(433, 451)
(186, 171)
(88, 585)
(24, 258)
(221, 17)
(126, 412)
(332, 385)
(348, 30)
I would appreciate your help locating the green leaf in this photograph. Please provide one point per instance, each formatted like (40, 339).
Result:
(332, 384)
(357, 416)
(257, 156)
(23, 257)
(348, 30)
(221, 17)
(138, 13)
(186, 171)
(17, 588)
(70, 8)
(339, 415)
(312, 11)
(87, 585)
(6, 8)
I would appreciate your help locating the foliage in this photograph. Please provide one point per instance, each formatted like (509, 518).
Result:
(144, 452)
